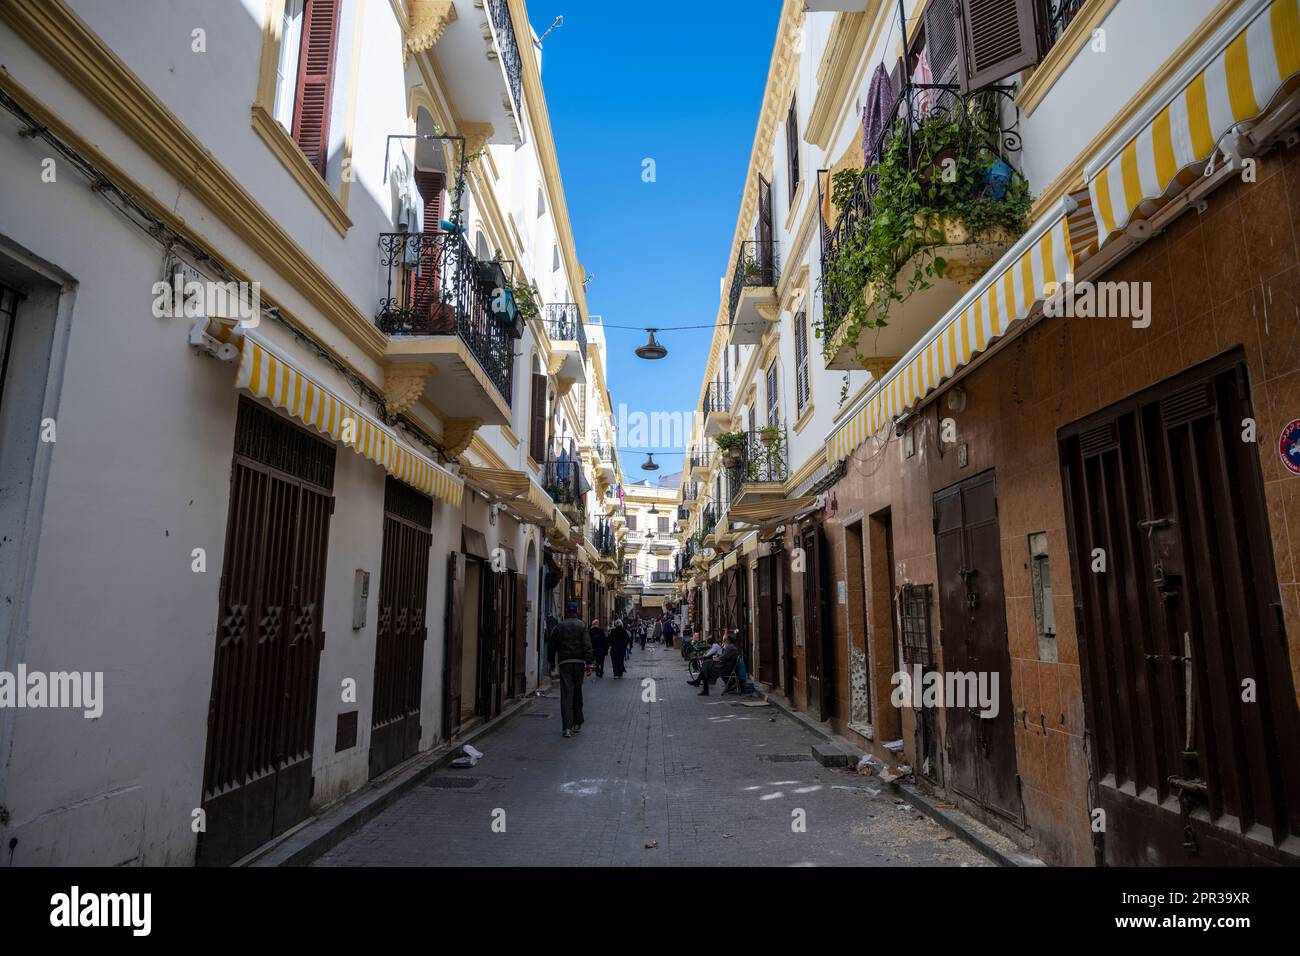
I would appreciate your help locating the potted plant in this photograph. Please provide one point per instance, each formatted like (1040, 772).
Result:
(769, 435)
(732, 446)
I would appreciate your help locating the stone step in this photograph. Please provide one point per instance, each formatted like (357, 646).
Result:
(835, 753)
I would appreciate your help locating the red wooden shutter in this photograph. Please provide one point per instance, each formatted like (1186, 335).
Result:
(999, 39)
(537, 439)
(430, 185)
(311, 108)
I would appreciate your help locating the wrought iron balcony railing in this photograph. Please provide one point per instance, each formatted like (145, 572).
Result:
(1059, 15)
(690, 490)
(756, 267)
(564, 324)
(662, 577)
(603, 450)
(701, 458)
(985, 134)
(508, 45)
(708, 520)
(436, 286)
(602, 537)
(562, 480)
(717, 397)
(762, 459)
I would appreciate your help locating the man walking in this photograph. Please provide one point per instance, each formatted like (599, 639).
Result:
(570, 645)
(619, 643)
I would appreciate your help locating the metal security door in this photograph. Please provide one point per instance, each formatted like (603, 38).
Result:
(401, 633)
(973, 633)
(1184, 618)
(765, 622)
(257, 779)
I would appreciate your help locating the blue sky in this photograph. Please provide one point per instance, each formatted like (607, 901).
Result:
(627, 81)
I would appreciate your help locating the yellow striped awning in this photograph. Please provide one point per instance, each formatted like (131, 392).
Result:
(268, 375)
(1250, 60)
(1030, 272)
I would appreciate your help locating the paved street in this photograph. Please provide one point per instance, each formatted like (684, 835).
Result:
(686, 780)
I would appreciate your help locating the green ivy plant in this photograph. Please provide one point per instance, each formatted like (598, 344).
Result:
(924, 182)
(728, 440)
(526, 296)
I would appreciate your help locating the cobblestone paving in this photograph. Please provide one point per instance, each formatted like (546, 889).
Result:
(683, 781)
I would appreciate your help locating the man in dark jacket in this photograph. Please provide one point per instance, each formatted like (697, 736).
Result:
(619, 643)
(599, 646)
(570, 646)
(722, 667)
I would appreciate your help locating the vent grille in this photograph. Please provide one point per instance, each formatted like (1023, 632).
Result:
(1097, 440)
(1187, 403)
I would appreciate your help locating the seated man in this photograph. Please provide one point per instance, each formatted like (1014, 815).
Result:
(722, 666)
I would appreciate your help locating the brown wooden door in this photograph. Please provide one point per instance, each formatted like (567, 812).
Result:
(815, 619)
(785, 611)
(973, 633)
(1185, 613)
(454, 626)
(257, 779)
(401, 630)
(765, 622)
(519, 662)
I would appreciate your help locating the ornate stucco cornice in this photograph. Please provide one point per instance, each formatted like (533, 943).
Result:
(426, 22)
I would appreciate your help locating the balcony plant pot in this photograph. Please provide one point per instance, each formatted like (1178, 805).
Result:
(491, 274)
(508, 315)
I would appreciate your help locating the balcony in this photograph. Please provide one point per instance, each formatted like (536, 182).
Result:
(757, 469)
(663, 577)
(702, 464)
(754, 308)
(935, 207)
(603, 454)
(1058, 15)
(568, 341)
(480, 64)
(562, 480)
(690, 491)
(437, 311)
(716, 408)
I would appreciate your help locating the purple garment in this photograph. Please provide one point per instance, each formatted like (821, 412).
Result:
(875, 113)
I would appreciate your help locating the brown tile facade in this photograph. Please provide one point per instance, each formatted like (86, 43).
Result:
(1227, 278)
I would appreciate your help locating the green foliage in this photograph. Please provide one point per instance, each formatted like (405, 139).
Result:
(526, 296)
(936, 176)
(729, 440)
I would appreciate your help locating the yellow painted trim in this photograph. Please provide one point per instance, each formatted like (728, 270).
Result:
(1044, 76)
(1070, 179)
(51, 29)
(804, 419)
(816, 459)
(484, 451)
(510, 436)
(292, 158)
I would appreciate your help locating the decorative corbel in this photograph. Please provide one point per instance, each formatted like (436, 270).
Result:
(879, 365)
(427, 20)
(457, 433)
(476, 136)
(562, 386)
(554, 362)
(403, 385)
(768, 311)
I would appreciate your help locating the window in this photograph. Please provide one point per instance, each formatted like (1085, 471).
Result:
(663, 565)
(801, 361)
(555, 257)
(792, 146)
(305, 75)
(773, 406)
(631, 522)
(663, 524)
(1040, 578)
(541, 203)
(286, 70)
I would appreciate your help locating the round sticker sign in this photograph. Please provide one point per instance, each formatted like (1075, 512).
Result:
(1289, 447)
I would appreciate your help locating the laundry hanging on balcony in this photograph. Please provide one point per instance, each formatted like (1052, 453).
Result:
(1251, 63)
(269, 375)
(1028, 273)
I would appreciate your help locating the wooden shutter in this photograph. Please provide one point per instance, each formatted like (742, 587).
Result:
(792, 146)
(311, 108)
(801, 360)
(631, 522)
(454, 631)
(773, 406)
(998, 39)
(537, 436)
(425, 288)
(941, 39)
(663, 524)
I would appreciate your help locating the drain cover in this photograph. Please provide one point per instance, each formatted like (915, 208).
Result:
(785, 758)
(454, 783)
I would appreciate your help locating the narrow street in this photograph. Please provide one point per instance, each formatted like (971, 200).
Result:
(685, 780)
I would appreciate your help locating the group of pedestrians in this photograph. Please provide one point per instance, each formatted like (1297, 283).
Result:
(573, 649)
